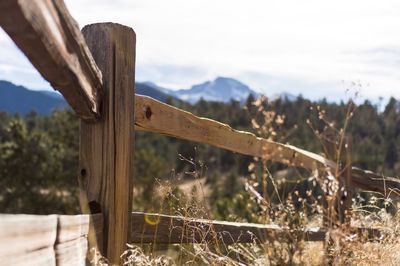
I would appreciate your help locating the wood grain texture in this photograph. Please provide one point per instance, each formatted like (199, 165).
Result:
(46, 239)
(43, 256)
(107, 147)
(71, 253)
(50, 38)
(159, 228)
(20, 234)
(154, 116)
(72, 227)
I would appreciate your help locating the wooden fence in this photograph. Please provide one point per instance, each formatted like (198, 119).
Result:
(94, 71)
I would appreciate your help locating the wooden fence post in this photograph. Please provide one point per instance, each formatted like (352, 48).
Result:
(107, 147)
(330, 183)
(344, 197)
(338, 191)
(341, 199)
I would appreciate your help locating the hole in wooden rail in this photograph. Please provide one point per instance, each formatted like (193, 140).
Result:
(148, 112)
(83, 172)
(94, 207)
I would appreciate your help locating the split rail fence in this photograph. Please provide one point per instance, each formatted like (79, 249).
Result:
(94, 70)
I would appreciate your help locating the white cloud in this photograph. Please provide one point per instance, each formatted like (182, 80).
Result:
(306, 46)
(15, 67)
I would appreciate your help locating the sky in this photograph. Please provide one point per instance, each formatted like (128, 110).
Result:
(317, 48)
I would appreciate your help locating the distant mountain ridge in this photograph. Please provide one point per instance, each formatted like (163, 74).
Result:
(18, 99)
(152, 91)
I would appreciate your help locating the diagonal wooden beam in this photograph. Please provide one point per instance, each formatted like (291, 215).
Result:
(154, 116)
(50, 38)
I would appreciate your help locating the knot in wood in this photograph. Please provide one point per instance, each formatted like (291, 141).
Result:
(148, 112)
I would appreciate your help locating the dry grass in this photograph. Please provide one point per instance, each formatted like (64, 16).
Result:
(347, 248)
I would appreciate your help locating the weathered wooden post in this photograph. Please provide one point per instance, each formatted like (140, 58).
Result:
(107, 146)
(338, 191)
(330, 182)
(344, 194)
(338, 149)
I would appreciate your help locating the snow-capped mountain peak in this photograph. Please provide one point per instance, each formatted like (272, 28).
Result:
(221, 90)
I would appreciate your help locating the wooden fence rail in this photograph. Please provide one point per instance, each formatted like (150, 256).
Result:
(167, 229)
(154, 116)
(48, 239)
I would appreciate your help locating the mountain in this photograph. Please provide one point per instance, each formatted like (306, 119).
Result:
(18, 99)
(54, 94)
(220, 90)
(159, 88)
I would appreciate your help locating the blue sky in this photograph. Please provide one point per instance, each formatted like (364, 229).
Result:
(313, 47)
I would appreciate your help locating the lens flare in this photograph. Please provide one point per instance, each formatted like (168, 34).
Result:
(151, 219)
